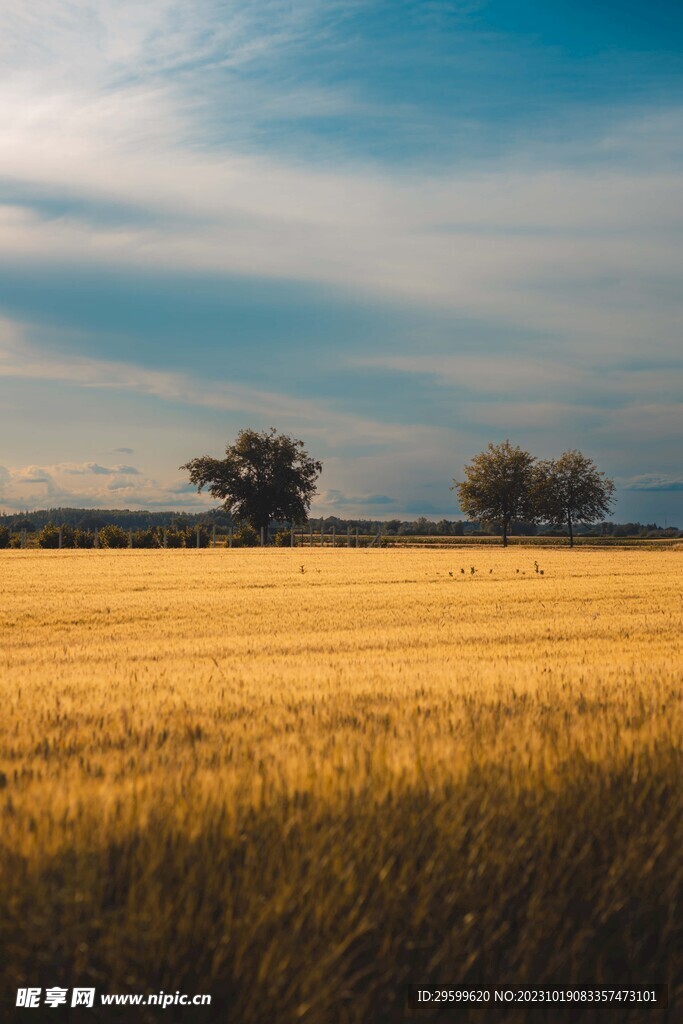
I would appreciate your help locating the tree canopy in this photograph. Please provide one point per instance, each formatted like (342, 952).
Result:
(571, 490)
(264, 476)
(498, 486)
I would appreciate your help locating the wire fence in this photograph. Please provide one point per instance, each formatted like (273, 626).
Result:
(310, 535)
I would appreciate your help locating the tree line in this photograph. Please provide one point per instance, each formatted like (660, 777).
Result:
(111, 535)
(266, 476)
(269, 478)
(43, 527)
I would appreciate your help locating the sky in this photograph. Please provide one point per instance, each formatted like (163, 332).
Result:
(397, 230)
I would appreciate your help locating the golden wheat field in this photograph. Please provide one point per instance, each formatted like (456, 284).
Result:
(299, 780)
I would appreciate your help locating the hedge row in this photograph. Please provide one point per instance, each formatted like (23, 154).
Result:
(111, 536)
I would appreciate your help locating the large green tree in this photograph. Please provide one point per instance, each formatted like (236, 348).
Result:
(264, 476)
(498, 486)
(571, 490)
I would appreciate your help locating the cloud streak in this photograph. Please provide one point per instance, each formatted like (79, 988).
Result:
(19, 360)
(85, 468)
(666, 482)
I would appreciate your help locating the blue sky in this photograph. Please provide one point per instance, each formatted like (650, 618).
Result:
(398, 230)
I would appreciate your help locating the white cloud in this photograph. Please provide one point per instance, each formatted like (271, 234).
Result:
(83, 468)
(51, 487)
(652, 482)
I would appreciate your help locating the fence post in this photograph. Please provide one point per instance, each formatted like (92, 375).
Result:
(310, 535)
(165, 536)
(348, 536)
(230, 537)
(96, 539)
(334, 536)
(292, 537)
(61, 538)
(130, 538)
(322, 533)
(356, 536)
(214, 536)
(197, 536)
(23, 537)
(261, 536)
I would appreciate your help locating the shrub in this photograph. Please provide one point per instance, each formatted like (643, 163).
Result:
(246, 537)
(283, 538)
(49, 536)
(145, 539)
(15, 541)
(175, 538)
(111, 536)
(5, 537)
(191, 537)
(84, 539)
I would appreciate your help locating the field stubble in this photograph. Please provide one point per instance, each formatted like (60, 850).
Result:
(299, 780)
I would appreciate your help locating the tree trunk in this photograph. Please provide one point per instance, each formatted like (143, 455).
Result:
(571, 532)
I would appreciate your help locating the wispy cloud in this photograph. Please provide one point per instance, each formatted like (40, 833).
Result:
(84, 468)
(574, 248)
(334, 499)
(20, 360)
(652, 482)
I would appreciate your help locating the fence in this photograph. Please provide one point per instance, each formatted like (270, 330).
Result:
(309, 535)
(318, 534)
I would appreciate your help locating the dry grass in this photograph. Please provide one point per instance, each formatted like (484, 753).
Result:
(299, 791)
